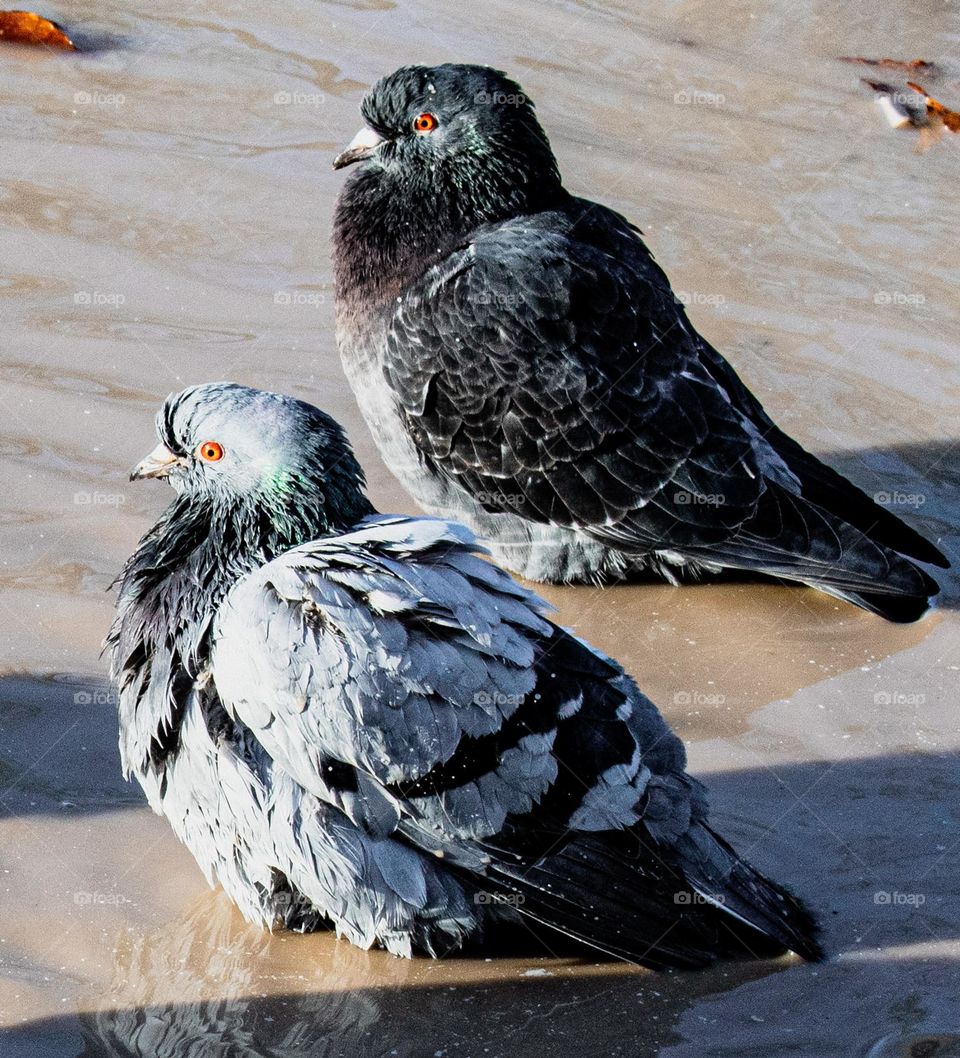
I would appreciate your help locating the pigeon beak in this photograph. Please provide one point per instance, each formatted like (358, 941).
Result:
(156, 465)
(363, 145)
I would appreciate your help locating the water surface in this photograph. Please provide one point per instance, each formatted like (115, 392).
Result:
(165, 202)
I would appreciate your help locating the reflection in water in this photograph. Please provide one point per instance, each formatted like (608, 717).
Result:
(199, 200)
(210, 986)
(212, 951)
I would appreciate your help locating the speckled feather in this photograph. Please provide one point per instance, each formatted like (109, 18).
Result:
(545, 385)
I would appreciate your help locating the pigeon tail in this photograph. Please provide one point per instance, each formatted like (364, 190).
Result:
(819, 483)
(749, 899)
(794, 539)
(682, 908)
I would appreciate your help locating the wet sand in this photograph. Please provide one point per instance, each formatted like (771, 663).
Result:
(165, 202)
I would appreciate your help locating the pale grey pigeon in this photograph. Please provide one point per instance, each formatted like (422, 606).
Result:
(356, 719)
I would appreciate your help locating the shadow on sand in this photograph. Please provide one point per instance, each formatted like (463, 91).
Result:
(871, 844)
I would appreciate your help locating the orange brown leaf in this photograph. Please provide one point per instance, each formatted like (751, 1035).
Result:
(950, 118)
(24, 27)
(907, 66)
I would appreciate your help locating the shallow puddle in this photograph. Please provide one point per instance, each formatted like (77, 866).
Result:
(165, 202)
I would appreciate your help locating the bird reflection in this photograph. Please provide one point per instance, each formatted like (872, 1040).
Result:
(202, 990)
(211, 986)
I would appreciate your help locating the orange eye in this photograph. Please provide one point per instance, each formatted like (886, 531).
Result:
(210, 452)
(424, 123)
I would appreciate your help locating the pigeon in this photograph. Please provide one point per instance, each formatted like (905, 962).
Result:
(357, 719)
(525, 368)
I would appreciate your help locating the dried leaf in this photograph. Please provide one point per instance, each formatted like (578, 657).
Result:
(935, 110)
(24, 27)
(907, 66)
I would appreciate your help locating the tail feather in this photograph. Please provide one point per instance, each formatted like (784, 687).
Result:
(824, 487)
(744, 893)
(901, 609)
(820, 484)
(618, 892)
(792, 538)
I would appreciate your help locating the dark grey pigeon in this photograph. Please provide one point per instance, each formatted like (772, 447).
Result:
(524, 366)
(355, 719)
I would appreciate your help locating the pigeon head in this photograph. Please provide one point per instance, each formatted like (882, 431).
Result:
(231, 447)
(461, 142)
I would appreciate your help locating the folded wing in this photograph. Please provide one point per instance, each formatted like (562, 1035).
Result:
(396, 675)
(548, 369)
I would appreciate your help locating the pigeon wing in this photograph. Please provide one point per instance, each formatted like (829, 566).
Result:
(565, 384)
(395, 674)
(376, 680)
(557, 377)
